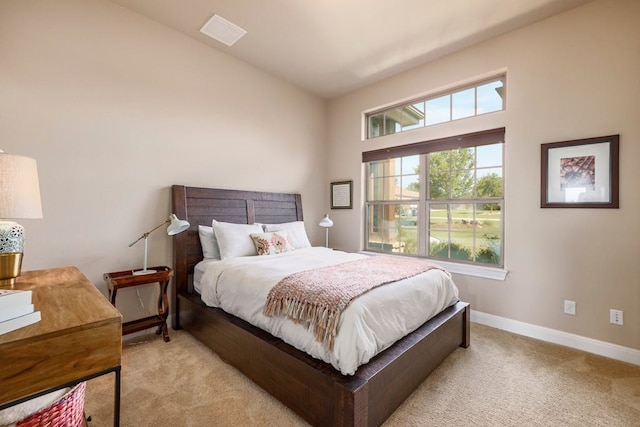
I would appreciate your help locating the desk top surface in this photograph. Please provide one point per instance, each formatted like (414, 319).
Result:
(79, 335)
(66, 300)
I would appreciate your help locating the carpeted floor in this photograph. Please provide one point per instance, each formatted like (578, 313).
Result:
(501, 380)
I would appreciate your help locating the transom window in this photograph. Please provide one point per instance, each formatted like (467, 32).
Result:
(456, 216)
(479, 98)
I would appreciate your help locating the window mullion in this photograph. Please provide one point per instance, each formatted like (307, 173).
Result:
(475, 100)
(422, 208)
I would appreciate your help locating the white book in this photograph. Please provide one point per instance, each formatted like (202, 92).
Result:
(19, 322)
(17, 311)
(13, 298)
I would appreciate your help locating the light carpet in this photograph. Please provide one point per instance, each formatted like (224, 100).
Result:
(503, 379)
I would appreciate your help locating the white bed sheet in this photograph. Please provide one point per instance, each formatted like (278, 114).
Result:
(199, 270)
(370, 324)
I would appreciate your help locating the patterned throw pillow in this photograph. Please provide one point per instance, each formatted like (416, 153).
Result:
(271, 243)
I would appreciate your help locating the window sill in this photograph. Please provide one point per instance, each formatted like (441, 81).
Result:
(465, 269)
(475, 270)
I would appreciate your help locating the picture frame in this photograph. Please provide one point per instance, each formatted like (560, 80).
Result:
(342, 195)
(583, 173)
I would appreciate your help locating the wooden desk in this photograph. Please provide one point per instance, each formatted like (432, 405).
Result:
(77, 339)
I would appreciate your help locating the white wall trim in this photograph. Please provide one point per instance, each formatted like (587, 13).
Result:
(474, 270)
(602, 348)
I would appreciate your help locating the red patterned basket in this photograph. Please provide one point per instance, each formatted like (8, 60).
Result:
(68, 411)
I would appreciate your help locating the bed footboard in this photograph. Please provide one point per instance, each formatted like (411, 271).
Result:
(315, 390)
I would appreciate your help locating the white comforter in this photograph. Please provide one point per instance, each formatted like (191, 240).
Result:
(370, 324)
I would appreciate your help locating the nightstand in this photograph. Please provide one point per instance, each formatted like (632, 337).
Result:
(126, 279)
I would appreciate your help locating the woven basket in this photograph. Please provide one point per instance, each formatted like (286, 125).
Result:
(68, 411)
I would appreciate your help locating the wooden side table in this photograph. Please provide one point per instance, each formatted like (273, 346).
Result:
(126, 279)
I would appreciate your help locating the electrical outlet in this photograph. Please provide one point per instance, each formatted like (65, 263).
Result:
(616, 317)
(570, 307)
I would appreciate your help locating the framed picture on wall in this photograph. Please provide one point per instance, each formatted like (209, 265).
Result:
(342, 195)
(582, 173)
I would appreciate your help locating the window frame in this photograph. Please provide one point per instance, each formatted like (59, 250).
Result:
(423, 149)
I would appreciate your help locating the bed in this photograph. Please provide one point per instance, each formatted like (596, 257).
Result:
(315, 390)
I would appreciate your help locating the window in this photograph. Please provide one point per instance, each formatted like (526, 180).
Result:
(395, 184)
(479, 98)
(457, 216)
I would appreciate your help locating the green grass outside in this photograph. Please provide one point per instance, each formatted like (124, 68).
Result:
(462, 230)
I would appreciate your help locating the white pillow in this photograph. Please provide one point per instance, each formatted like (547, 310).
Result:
(295, 232)
(234, 240)
(208, 242)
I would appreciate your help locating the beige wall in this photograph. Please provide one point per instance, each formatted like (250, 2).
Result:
(116, 108)
(569, 77)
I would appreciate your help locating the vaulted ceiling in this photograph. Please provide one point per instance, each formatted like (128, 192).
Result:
(331, 47)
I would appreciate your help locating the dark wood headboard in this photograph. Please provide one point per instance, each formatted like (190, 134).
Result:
(200, 206)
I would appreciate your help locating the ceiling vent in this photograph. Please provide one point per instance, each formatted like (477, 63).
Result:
(222, 30)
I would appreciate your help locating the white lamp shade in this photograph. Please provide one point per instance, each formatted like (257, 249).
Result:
(19, 188)
(326, 221)
(177, 225)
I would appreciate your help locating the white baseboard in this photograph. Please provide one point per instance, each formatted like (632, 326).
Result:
(578, 342)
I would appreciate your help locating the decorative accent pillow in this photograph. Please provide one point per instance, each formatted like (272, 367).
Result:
(234, 240)
(209, 243)
(296, 233)
(271, 243)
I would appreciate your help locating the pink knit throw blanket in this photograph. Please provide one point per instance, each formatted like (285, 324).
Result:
(318, 297)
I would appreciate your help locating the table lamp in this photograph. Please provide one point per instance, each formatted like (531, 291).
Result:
(326, 223)
(176, 226)
(19, 198)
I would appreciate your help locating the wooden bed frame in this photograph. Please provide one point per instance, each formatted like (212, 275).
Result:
(310, 387)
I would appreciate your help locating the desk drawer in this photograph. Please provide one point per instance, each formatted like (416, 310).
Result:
(39, 363)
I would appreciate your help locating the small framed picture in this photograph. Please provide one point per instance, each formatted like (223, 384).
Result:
(342, 195)
(580, 174)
